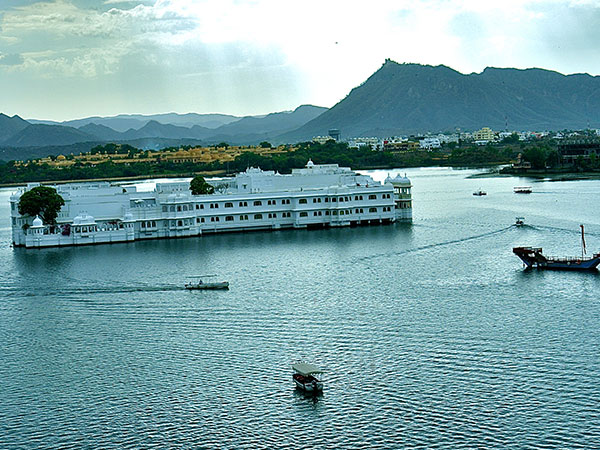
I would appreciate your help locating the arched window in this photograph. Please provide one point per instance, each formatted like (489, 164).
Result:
(257, 216)
(228, 205)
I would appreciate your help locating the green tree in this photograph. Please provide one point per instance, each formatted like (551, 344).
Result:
(41, 201)
(512, 139)
(553, 158)
(593, 161)
(265, 144)
(199, 186)
(536, 156)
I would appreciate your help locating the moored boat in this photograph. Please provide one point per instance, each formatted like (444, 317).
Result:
(479, 193)
(305, 377)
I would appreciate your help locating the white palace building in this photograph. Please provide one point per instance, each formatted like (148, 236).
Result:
(316, 196)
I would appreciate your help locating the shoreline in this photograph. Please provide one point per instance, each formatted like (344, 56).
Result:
(536, 175)
(542, 175)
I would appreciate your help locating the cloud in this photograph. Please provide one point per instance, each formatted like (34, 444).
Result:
(124, 2)
(13, 59)
(314, 50)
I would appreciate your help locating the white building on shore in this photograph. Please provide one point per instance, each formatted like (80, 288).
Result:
(315, 196)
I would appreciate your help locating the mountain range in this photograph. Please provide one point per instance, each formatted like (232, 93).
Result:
(414, 98)
(397, 99)
(20, 139)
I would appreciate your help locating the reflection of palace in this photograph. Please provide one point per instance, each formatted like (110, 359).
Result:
(315, 196)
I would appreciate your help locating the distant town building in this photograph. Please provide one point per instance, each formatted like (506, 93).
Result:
(322, 139)
(570, 151)
(372, 142)
(429, 143)
(335, 134)
(485, 134)
(400, 145)
(447, 138)
(179, 156)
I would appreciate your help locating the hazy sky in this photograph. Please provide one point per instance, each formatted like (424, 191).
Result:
(64, 59)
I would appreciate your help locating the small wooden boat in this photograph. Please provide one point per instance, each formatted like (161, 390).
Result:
(305, 377)
(522, 190)
(520, 221)
(204, 285)
(479, 193)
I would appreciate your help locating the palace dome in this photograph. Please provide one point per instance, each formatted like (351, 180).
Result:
(37, 222)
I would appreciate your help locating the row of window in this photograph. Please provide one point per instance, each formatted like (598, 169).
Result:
(286, 201)
(343, 199)
(343, 212)
(181, 223)
(185, 222)
(243, 217)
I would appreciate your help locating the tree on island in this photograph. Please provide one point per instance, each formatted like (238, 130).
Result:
(199, 186)
(41, 201)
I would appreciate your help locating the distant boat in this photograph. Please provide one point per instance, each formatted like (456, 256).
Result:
(479, 193)
(520, 221)
(533, 257)
(203, 285)
(522, 190)
(305, 377)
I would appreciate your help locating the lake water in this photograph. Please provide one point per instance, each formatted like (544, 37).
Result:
(432, 335)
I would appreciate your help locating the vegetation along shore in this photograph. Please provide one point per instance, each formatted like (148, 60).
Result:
(537, 159)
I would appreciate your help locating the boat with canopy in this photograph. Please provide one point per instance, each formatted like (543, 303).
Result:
(306, 376)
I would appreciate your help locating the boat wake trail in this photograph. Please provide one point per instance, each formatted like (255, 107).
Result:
(439, 244)
(574, 231)
(15, 291)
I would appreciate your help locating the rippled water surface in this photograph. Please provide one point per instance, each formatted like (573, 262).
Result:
(432, 335)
